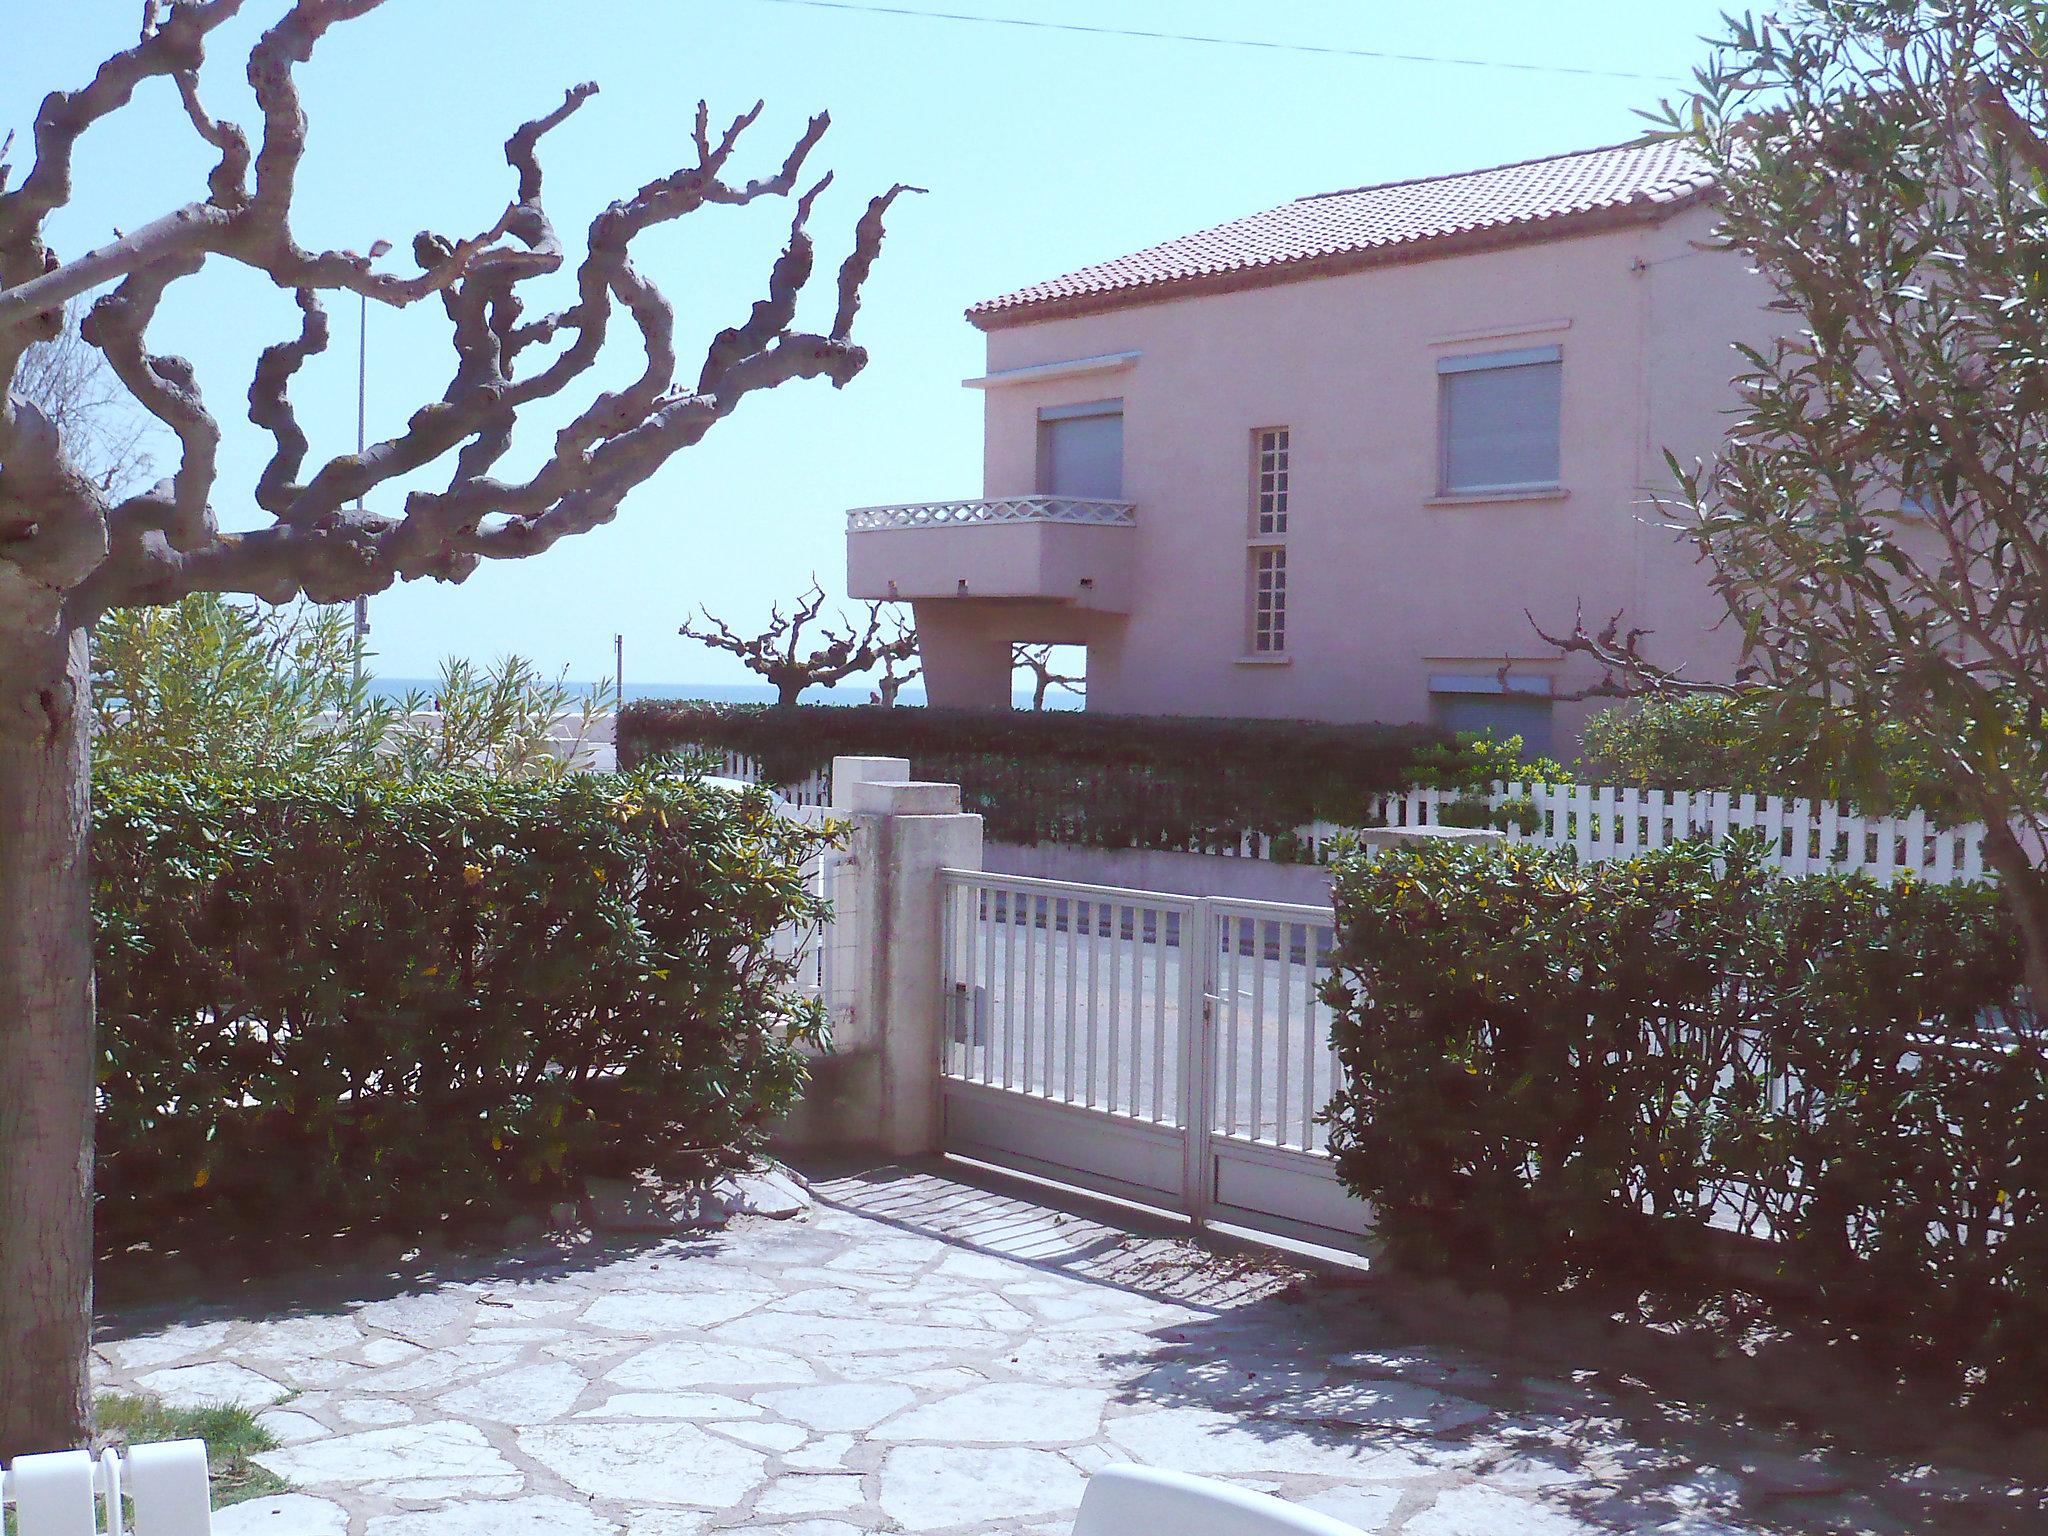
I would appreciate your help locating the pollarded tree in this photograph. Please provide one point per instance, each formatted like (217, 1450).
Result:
(70, 549)
(777, 655)
(1037, 660)
(1877, 521)
(900, 664)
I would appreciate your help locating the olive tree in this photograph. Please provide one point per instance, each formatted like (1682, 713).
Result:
(72, 548)
(1877, 520)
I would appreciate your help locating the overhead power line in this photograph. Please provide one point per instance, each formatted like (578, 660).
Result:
(1328, 49)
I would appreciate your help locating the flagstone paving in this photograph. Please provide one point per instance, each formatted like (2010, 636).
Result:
(924, 1355)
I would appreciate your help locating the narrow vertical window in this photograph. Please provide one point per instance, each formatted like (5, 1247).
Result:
(1269, 599)
(1269, 505)
(1266, 554)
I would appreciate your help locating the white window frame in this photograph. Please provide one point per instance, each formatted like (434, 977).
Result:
(1266, 599)
(1537, 683)
(1491, 362)
(1053, 413)
(1267, 522)
(1272, 476)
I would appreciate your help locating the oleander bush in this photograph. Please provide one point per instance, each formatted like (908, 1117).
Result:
(1686, 1068)
(211, 685)
(1759, 745)
(1106, 781)
(325, 1000)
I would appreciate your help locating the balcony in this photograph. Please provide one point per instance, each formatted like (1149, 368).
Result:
(1071, 550)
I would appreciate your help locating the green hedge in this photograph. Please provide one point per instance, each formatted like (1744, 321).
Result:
(1556, 1074)
(1072, 776)
(1765, 744)
(328, 1001)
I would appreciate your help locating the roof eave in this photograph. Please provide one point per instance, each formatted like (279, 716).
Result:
(1338, 263)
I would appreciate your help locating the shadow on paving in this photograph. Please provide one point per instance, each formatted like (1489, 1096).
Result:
(1554, 1399)
(1402, 1380)
(1596, 1441)
(140, 1293)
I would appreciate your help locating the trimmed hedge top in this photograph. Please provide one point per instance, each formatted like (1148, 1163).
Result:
(1113, 781)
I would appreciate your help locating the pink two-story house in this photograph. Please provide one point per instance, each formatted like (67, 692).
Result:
(1325, 461)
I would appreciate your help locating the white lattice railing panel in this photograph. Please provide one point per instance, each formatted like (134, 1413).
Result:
(1087, 510)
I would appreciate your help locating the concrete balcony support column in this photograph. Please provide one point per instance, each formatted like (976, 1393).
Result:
(966, 658)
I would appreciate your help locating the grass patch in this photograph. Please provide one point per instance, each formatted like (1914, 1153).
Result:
(232, 1436)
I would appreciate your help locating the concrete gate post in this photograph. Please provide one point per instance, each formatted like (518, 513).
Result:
(879, 1087)
(908, 832)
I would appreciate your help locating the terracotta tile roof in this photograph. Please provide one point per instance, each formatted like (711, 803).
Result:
(1397, 221)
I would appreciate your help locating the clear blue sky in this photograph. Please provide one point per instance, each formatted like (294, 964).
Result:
(1043, 150)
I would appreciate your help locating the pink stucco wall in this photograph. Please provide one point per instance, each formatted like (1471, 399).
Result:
(1386, 585)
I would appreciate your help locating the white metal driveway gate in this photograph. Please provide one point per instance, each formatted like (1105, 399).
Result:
(1172, 1050)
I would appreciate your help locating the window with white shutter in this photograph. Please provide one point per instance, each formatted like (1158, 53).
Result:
(1499, 421)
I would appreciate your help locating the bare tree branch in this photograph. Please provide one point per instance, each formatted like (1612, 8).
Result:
(1037, 660)
(896, 674)
(777, 654)
(69, 381)
(1626, 672)
(164, 543)
(77, 539)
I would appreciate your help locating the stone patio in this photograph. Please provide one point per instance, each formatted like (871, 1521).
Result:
(924, 1354)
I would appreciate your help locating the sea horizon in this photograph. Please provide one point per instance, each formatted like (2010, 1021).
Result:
(397, 688)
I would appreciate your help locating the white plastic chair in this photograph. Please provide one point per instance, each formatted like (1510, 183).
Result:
(62, 1493)
(1145, 1501)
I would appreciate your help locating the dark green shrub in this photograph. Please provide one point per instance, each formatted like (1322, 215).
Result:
(1764, 745)
(1473, 760)
(325, 1001)
(1518, 814)
(1107, 781)
(1466, 811)
(1630, 1071)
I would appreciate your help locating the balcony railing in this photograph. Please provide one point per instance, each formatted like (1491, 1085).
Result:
(1004, 509)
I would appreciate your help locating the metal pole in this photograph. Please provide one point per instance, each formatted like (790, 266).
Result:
(362, 616)
(618, 671)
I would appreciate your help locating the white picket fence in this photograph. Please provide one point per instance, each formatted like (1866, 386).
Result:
(812, 792)
(818, 949)
(1603, 822)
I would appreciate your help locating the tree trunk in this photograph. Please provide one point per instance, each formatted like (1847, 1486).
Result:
(2025, 888)
(46, 1041)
